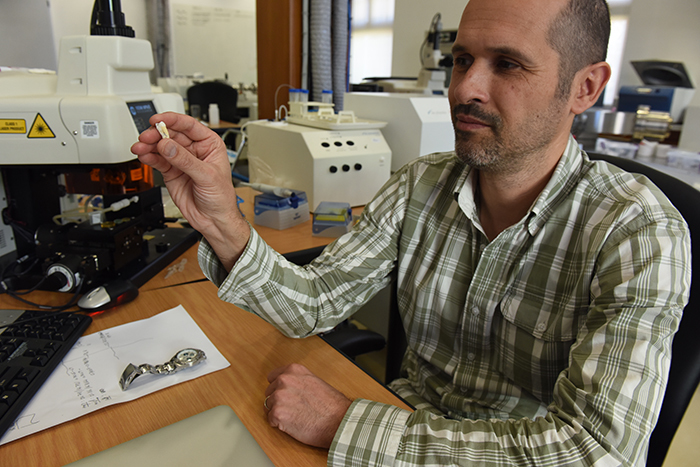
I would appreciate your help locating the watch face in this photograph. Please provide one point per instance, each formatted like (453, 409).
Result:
(188, 355)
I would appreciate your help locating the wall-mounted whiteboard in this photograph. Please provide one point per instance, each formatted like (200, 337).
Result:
(215, 41)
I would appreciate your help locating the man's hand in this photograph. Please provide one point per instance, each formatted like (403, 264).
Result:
(304, 406)
(196, 171)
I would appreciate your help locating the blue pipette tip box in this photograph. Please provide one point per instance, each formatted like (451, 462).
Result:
(281, 213)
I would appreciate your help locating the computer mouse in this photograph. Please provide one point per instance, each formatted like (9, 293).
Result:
(108, 295)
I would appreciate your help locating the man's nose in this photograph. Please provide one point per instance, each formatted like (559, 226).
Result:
(471, 85)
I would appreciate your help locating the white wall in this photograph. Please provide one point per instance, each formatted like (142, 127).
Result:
(26, 37)
(663, 30)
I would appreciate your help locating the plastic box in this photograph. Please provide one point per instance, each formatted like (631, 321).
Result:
(332, 219)
(281, 213)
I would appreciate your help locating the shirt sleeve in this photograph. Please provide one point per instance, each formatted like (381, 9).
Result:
(605, 403)
(302, 301)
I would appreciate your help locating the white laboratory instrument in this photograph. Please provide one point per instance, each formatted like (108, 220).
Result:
(90, 112)
(68, 133)
(417, 124)
(330, 163)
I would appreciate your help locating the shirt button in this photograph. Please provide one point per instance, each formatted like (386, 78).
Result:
(471, 357)
(475, 311)
(541, 327)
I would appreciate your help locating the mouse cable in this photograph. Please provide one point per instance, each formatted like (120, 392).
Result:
(71, 303)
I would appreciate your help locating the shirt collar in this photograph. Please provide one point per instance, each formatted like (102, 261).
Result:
(464, 195)
(566, 175)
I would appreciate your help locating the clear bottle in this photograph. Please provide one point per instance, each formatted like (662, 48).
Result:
(294, 95)
(327, 96)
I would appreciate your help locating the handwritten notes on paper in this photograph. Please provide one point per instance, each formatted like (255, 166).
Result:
(88, 377)
(85, 392)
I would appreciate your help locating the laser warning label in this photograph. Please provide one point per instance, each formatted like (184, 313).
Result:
(40, 129)
(13, 126)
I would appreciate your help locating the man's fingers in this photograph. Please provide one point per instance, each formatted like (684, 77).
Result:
(186, 162)
(272, 376)
(180, 124)
(292, 368)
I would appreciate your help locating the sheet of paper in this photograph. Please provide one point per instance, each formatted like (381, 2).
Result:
(88, 378)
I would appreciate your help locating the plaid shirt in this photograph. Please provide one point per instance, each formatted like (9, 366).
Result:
(549, 345)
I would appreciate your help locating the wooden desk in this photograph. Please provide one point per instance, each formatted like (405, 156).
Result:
(284, 241)
(253, 348)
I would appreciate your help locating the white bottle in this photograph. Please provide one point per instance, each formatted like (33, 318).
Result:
(213, 114)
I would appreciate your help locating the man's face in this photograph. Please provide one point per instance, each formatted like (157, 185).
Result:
(503, 86)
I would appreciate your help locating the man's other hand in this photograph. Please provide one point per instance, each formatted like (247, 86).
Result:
(304, 406)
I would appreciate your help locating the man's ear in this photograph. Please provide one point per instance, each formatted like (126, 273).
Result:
(589, 83)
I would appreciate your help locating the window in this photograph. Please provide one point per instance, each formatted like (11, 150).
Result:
(616, 47)
(371, 39)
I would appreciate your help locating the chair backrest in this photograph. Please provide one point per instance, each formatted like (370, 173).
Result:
(215, 92)
(685, 363)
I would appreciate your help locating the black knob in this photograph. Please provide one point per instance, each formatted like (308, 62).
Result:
(333, 169)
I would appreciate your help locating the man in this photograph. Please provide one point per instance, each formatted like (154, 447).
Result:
(539, 291)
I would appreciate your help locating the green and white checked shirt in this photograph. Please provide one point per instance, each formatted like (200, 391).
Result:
(548, 346)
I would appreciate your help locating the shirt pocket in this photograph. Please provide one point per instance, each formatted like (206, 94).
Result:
(551, 322)
(532, 341)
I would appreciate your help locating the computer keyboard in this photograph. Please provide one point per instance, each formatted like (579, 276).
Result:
(32, 345)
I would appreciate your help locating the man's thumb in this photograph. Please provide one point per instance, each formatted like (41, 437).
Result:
(168, 148)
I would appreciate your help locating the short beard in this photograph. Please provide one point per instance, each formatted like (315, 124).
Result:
(508, 150)
(475, 154)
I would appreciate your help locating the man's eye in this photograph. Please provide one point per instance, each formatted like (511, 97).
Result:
(507, 65)
(462, 62)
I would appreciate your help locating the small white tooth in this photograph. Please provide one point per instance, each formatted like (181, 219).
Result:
(162, 129)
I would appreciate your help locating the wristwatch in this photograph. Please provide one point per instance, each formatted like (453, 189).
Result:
(185, 358)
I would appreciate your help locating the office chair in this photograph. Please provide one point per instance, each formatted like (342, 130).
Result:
(685, 364)
(345, 337)
(215, 92)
